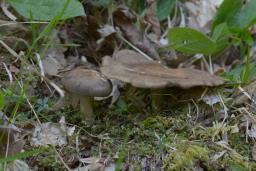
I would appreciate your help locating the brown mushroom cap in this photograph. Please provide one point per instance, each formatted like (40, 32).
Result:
(86, 82)
(150, 74)
(127, 56)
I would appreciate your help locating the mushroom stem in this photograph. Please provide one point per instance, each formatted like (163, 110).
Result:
(86, 107)
(156, 99)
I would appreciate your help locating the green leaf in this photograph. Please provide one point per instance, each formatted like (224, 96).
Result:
(190, 41)
(221, 35)
(1, 100)
(46, 10)
(121, 106)
(237, 74)
(237, 167)
(247, 69)
(228, 10)
(164, 8)
(246, 15)
(103, 3)
(246, 36)
(137, 6)
(236, 14)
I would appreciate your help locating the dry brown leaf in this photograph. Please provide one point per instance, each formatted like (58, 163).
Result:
(150, 74)
(9, 137)
(211, 99)
(151, 18)
(16, 165)
(95, 164)
(54, 58)
(124, 20)
(245, 95)
(51, 133)
(14, 144)
(6, 11)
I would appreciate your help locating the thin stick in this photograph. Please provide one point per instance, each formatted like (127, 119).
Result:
(7, 12)
(10, 50)
(7, 148)
(225, 108)
(40, 64)
(245, 93)
(8, 72)
(135, 48)
(14, 23)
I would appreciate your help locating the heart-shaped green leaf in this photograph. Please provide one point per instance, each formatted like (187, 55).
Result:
(46, 10)
(226, 12)
(190, 41)
(238, 15)
(221, 36)
(164, 8)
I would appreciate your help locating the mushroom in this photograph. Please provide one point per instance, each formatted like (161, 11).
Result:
(131, 67)
(129, 57)
(86, 84)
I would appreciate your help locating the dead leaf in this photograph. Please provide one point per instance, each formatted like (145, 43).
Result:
(150, 74)
(51, 133)
(234, 129)
(124, 20)
(110, 167)
(9, 137)
(211, 99)
(218, 155)
(54, 57)
(106, 30)
(95, 164)
(6, 11)
(51, 66)
(252, 131)
(14, 69)
(243, 95)
(16, 165)
(151, 18)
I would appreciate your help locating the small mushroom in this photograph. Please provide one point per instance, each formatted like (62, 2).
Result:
(131, 67)
(86, 84)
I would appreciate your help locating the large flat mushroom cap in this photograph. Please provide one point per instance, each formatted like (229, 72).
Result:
(86, 82)
(127, 56)
(150, 74)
